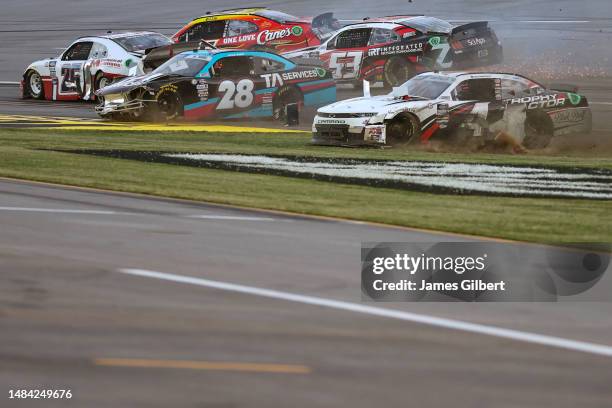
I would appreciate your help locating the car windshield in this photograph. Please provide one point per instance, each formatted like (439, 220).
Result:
(183, 64)
(277, 16)
(428, 25)
(141, 42)
(425, 86)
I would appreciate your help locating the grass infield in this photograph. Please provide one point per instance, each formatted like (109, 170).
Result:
(525, 219)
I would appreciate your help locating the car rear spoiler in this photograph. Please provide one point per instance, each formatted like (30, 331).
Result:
(477, 26)
(154, 57)
(324, 25)
(323, 20)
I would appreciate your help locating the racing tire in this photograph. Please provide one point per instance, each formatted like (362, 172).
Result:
(538, 131)
(169, 106)
(34, 85)
(285, 96)
(403, 129)
(396, 71)
(101, 81)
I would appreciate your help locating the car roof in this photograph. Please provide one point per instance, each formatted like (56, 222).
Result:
(114, 36)
(233, 11)
(475, 75)
(230, 51)
(418, 22)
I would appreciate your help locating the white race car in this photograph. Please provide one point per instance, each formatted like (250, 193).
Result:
(89, 64)
(475, 104)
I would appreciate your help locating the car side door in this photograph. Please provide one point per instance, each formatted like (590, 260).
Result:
(234, 83)
(345, 52)
(69, 82)
(484, 99)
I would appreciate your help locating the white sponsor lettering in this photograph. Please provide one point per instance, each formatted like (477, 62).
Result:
(267, 35)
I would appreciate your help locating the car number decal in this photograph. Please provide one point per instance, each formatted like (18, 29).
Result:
(70, 79)
(238, 95)
(345, 65)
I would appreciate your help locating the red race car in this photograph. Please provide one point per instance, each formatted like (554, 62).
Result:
(258, 28)
(394, 49)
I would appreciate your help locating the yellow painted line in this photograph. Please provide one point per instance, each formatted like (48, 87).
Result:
(203, 365)
(67, 123)
(179, 128)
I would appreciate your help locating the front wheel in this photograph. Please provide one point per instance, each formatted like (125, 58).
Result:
(101, 81)
(396, 71)
(403, 129)
(34, 85)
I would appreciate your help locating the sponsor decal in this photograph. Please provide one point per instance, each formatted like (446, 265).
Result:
(473, 42)
(238, 39)
(267, 36)
(568, 115)
(375, 133)
(278, 79)
(396, 49)
(110, 63)
(166, 88)
(574, 98)
(330, 122)
(201, 89)
(435, 41)
(52, 70)
(297, 30)
(540, 101)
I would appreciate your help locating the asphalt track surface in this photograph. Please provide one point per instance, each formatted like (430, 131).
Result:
(69, 318)
(65, 304)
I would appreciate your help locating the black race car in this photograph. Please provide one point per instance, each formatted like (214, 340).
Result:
(205, 84)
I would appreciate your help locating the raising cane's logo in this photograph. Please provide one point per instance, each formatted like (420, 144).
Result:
(268, 35)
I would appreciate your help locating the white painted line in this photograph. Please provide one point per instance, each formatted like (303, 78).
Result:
(56, 210)
(601, 103)
(553, 21)
(526, 337)
(9, 83)
(231, 218)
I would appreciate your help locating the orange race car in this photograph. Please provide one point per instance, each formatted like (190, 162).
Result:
(258, 28)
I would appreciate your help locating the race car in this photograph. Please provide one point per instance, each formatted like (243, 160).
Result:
(258, 28)
(89, 64)
(394, 49)
(205, 84)
(464, 105)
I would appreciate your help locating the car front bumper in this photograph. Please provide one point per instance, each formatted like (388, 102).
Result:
(113, 104)
(344, 132)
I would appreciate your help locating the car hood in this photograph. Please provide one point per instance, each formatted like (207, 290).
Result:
(376, 104)
(128, 84)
